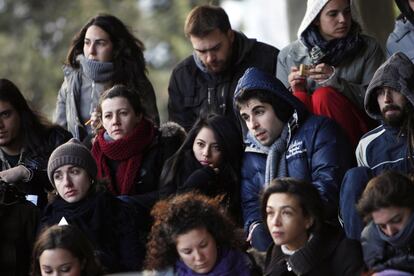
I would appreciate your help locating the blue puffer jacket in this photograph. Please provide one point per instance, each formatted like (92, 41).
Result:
(317, 152)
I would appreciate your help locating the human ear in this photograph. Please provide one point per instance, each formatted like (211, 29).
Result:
(309, 223)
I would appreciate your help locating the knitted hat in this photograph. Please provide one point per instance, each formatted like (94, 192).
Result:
(72, 152)
(313, 8)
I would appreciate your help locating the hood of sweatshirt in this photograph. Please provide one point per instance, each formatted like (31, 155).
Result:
(255, 79)
(397, 73)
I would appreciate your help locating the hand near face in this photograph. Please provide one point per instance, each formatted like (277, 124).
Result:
(321, 72)
(15, 174)
(95, 120)
(297, 82)
(215, 169)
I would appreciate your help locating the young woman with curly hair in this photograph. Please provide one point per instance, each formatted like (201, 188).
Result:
(191, 235)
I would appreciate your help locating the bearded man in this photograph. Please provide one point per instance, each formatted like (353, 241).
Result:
(390, 99)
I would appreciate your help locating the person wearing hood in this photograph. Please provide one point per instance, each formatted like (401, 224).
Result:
(205, 81)
(103, 53)
(283, 139)
(388, 240)
(402, 37)
(341, 61)
(390, 99)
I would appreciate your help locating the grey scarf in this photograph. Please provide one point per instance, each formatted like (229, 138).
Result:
(96, 70)
(276, 159)
(403, 237)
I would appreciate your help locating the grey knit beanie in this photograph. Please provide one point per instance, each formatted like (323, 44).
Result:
(72, 152)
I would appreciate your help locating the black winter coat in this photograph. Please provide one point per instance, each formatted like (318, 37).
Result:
(326, 254)
(111, 225)
(193, 92)
(192, 176)
(18, 224)
(36, 163)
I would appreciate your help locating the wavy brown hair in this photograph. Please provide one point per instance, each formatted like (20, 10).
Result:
(389, 189)
(179, 215)
(128, 50)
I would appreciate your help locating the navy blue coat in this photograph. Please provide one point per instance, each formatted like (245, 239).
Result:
(317, 151)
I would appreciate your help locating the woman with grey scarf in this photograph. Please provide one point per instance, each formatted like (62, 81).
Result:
(103, 53)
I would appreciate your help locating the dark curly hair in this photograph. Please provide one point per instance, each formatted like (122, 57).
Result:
(179, 215)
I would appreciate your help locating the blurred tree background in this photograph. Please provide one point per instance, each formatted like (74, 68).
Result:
(35, 36)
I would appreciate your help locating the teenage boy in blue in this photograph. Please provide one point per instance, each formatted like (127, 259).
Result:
(283, 139)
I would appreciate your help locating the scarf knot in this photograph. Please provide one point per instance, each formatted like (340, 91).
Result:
(334, 51)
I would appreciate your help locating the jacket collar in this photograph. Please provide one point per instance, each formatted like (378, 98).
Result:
(315, 251)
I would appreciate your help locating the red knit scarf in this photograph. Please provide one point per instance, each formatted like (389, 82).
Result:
(128, 151)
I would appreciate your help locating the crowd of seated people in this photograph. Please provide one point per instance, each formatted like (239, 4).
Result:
(253, 173)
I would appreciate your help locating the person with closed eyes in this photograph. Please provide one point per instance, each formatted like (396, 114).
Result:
(63, 250)
(208, 161)
(193, 235)
(387, 206)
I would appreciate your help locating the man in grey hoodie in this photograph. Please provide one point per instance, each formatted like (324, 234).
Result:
(390, 99)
